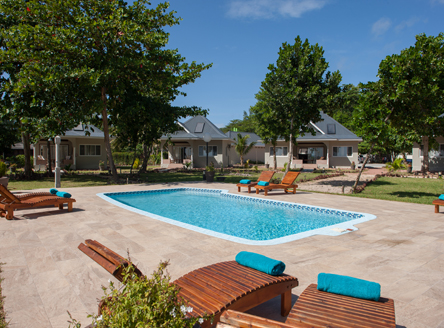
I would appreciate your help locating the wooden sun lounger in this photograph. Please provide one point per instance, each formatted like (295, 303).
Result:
(10, 202)
(437, 203)
(286, 184)
(320, 310)
(214, 288)
(265, 176)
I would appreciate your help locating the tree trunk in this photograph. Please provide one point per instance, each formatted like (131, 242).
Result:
(290, 150)
(425, 154)
(106, 133)
(26, 146)
(146, 155)
(48, 157)
(242, 160)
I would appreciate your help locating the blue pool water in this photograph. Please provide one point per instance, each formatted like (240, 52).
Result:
(239, 218)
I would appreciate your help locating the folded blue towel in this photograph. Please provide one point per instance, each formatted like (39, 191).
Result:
(53, 191)
(349, 286)
(263, 183)
(245, 181)
(441, 197)
(63, 194)
(260, 263)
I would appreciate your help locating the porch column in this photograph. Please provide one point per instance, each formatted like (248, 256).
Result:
(192, 156)
(74, 157)
(161, 154)
(327, 155)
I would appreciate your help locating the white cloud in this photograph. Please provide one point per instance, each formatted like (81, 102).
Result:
(272, 8)
(381, 26)
(408, 23)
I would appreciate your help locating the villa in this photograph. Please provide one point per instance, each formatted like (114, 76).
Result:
(333, 146)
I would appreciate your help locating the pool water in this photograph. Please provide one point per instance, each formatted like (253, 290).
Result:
(235, 217)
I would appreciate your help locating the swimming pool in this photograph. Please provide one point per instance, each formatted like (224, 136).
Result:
(238, 218)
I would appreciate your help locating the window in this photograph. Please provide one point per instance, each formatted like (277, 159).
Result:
(331, 129)
(342, 151)
(441, 150)
(203, 152)
(280, 151)
(89, 150)
(199, 127)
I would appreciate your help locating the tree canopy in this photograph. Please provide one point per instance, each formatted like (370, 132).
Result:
(89, 56)
(297, 88)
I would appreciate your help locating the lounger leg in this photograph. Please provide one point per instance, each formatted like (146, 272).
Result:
(249, 189)
(286, 303)
(436, 208)
(294, 190)
(266, 192)
(10, 215)
(60, 206)
(257, 190)
(70, 207)
(238, 189)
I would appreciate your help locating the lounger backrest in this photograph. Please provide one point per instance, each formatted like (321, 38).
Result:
(290, 177)
(7, 196)
(266, 176)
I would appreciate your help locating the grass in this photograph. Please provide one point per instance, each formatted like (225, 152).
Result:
(68, 181)
(409, 190)
(3, 322)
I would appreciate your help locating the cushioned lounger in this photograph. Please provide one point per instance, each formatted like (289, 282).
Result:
(286, 183)
(265, 176)
(214, 288)
(10, 202)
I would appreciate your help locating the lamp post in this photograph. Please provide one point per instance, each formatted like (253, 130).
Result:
(57, 161)
(207, 139)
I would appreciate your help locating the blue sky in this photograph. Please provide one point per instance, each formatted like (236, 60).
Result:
(242, 37)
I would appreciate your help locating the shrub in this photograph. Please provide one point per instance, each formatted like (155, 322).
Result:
(144, 302)
(2, 168)
(123, 158)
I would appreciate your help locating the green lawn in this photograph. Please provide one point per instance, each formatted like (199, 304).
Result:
(68, 181)
(409, 190)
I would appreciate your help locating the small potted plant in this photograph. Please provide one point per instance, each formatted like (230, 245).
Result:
(353, 165)
(3, 179)
(209, 172)
(102, 166)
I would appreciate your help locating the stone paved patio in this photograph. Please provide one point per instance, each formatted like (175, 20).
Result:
(46, 275)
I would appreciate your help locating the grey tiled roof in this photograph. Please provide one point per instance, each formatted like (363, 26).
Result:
(189, 131)
(253, 137)
(80, 131)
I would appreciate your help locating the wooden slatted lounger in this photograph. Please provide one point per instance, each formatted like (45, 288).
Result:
(286, 183)
(214, 288)
(10, 202)
(437, 203)
(265, 176)
(320, 310)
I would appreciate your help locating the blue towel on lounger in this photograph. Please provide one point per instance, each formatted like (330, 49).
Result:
(260, 263)
(349, 286)
(245, 181)
(63, 194)
(441, 197)
(263, 183)
(53, 191)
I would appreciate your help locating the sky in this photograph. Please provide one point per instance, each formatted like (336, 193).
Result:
(241, 38)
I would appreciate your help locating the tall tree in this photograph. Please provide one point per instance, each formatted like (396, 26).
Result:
(247, 124)
(242, 147)
(100, 49)
(298, 87)
(412, 83)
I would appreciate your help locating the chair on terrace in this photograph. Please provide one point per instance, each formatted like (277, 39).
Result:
(212, 289)
(286, 184)
(265, 176)
(319, 309)
(10, 202)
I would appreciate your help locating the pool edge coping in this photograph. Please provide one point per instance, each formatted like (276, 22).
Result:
(346, 227)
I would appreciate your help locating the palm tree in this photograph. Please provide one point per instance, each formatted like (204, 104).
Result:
(241, 146)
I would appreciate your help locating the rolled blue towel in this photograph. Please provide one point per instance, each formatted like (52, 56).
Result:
(349, 286)
(245, 181)
(263, 183)
(53, 191)
(441, 197)
(260, 263)
(63, 194)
